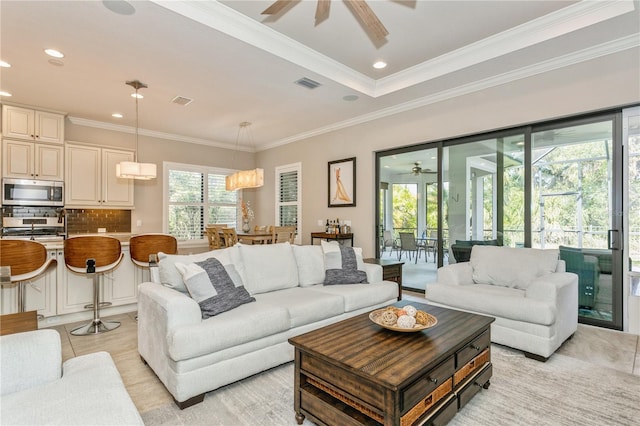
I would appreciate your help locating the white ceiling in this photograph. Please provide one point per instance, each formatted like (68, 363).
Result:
(238, 65)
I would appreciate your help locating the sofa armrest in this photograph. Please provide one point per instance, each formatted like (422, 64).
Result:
(558, 289)
(160, 311)
(29, 359)
(457, 274)
(374, 272)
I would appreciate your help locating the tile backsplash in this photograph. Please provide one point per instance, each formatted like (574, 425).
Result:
(89, 220)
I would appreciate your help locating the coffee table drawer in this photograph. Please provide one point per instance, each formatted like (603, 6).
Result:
(473, 386)
(473, 348)
(427, 384)
(349, 384)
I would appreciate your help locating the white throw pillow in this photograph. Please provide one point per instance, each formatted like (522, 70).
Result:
(172, 278)
(310, 261)
(511, 267)
(268, 267)
(333, 258)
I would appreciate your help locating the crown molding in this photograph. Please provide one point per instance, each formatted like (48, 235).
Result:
(155, 134)
(594, 52)
(563, 21)
(566, 20)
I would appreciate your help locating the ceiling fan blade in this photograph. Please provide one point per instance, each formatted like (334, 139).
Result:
(276, 7)
(322, 10)
(368, 18)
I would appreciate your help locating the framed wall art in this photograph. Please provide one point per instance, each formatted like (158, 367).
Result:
(342, 183)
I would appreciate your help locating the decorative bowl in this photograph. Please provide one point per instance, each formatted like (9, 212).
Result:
(375, 316)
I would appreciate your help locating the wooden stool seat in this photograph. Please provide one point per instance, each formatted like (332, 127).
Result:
(27, 260)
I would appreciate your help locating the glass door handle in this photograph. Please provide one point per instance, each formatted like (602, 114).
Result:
(613, 239)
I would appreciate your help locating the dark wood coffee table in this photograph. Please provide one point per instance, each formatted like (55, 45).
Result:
(355, 372)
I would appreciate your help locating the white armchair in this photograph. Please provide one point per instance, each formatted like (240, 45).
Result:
(36, 388)
(534, 301)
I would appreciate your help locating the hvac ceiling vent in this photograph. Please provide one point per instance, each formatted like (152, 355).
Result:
(181, 100)
(308, 83)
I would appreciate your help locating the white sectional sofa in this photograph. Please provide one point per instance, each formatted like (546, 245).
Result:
(38, 389)
(534, 301)
(192, 355)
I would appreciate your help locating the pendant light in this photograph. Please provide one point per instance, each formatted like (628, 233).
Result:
(133, 169)
(244, 178)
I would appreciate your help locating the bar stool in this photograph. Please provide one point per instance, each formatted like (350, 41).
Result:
(145, 247)
(26, 260)
(94, 256)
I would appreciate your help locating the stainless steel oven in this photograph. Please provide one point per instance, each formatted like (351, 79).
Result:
(28, 192)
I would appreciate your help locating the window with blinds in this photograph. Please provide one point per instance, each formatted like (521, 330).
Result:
(196, 196)
(288, 197)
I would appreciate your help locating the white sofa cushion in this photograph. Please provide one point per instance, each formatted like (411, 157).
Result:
(243, 324)
(357, 296)
(310, 261)
(305, 306)
(509, 267)
(488, 299)
(268, 267)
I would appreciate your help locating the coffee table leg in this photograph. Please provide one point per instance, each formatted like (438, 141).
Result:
(299, 418)
(486, 385)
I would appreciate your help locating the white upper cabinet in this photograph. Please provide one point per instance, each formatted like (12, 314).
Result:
(32, 160)
(34, 125)
(90, 177)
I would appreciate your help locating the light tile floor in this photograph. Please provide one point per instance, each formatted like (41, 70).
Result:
(598, 346)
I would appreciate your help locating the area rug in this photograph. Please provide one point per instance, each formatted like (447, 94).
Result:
(562, 391)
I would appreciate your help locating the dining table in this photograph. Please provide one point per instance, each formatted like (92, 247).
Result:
(255, 237)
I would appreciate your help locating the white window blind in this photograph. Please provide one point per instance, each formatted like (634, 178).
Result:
(194, 197)
(289, 197)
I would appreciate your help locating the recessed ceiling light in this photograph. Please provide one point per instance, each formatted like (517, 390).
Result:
(379, 65)
(137, 95)
(53, 52)
(350, 98)
(5, 94)
(116, 115)
(4, 64)
(386, 166)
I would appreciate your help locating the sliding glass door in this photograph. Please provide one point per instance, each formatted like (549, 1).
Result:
(576, 208)
(552, 185)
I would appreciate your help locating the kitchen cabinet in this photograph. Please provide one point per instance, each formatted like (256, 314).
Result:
(90, 177)
(40, 294)
(32, 160)
(117, 287)
(30, 124)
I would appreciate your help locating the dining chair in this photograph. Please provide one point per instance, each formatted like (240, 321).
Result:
(408, 244)
(282, 234)
(213, 235)
(229, 236)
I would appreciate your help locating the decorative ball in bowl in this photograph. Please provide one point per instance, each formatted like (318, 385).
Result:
(405, 319)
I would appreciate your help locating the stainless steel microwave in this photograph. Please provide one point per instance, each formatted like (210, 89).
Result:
(28, 192)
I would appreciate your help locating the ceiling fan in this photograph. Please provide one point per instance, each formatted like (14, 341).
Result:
(359, 7)
(416, 170)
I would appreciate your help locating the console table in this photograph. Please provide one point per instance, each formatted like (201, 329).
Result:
(331, 237)
(391, 271)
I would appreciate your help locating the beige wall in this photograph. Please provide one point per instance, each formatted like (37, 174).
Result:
(603, 83)
(606, 82)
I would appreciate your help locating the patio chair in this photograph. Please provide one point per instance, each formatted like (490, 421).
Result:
(408, 244)
(389, 241)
